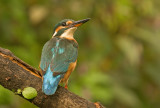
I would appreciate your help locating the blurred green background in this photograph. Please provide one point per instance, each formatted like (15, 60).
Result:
(119, 48)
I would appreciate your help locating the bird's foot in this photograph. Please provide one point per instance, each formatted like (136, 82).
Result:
(66, 87)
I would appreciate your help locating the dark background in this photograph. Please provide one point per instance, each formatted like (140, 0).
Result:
(119, 48)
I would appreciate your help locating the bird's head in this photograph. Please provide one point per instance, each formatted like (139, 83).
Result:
(67, 27)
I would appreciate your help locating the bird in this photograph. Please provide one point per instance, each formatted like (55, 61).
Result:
(59, 55)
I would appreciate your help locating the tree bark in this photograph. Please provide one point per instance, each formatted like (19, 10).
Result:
(16, 74)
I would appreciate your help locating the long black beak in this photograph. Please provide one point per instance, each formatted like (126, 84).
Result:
(80, 22)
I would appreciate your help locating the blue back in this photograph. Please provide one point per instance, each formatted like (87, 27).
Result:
(56, 56)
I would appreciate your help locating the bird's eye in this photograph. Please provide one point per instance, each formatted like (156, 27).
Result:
(63, 24)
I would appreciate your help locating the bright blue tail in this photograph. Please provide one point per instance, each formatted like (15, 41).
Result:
(50, 82)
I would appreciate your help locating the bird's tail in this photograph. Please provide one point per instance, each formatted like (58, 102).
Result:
(50, 82)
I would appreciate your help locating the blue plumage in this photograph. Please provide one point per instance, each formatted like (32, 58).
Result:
(57, 54)
(50, 82)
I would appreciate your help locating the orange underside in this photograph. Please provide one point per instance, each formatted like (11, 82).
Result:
(66, 76)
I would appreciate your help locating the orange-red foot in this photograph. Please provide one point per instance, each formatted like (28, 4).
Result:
(66, 87)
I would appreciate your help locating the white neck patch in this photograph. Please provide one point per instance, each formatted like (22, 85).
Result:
(69, 32)
(54, 34)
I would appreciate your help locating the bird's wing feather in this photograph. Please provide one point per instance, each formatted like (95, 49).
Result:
(58, 53)
(47, 54)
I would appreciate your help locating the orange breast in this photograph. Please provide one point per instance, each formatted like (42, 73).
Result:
(70, 70)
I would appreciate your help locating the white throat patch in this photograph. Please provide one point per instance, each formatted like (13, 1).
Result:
(69, 32)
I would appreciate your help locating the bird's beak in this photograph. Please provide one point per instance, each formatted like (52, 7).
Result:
(80, 22)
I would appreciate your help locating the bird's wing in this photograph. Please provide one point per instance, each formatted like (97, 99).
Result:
(47, 54)
(58, 53)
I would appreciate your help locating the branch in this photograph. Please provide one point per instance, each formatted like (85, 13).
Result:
(15, 74)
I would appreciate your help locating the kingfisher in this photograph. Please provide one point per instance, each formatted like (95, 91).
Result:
(59, 55)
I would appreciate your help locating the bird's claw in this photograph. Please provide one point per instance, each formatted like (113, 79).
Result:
(66, 87)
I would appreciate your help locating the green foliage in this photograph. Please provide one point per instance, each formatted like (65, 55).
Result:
(9, 100)
(118, 62)
(5, 97)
